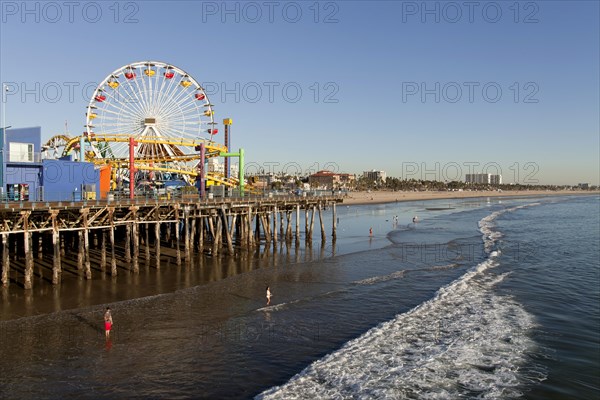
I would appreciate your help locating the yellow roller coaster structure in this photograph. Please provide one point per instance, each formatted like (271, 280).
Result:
(152, 158)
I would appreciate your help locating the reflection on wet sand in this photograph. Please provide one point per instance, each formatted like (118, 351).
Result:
(199, 268)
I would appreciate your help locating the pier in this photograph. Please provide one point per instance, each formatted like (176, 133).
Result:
(104, 234)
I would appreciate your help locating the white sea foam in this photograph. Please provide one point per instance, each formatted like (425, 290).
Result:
(278, 307)
(465, 342)
(379, 279)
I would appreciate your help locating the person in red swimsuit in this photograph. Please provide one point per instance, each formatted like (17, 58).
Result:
(108, 322)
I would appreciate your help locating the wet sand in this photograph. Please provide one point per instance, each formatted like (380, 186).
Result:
(378, 197)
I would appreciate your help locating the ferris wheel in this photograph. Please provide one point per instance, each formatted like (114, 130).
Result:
(164, 109)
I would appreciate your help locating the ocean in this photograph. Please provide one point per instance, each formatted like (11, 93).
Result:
(488, 298)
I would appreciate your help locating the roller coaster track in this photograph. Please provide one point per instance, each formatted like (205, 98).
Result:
(154, 163)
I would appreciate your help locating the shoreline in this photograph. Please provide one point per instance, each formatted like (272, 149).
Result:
(382, 197)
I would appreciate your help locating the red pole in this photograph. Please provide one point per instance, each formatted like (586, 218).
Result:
(202, 172)
(226, 169)
(132, 144)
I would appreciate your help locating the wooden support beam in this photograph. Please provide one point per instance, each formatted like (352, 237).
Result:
(86, 244)
(201, 234)
(297, 222)
(147, 242)
(312, 221)
(5, 260)
(56, 261)
(103, 251)
(128, 244)
(186, 231)
(217, 237)
(306, 232)
(28, 251)
(80, 255)
(178, 250)
(211, 226)
(288, 230)
(321, 222)
(257, 227)
(40, 252)
(135, 237)
(275, 225)
(265, 225)
(192, 233)
(157, 243)
(249, 226)
(168, 234)
(234, 220)
(227, 230)
(334, 229)
(111, 234)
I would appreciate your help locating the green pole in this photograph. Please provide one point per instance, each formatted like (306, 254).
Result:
(241, 171)
(240, 156)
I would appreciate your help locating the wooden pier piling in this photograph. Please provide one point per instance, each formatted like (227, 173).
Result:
(56, 262)
(136, 240)
(28, 283)
(80, 233)
(5, 260)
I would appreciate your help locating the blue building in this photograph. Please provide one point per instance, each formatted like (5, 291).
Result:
(64, 179)
(21, 164)
(24, 176)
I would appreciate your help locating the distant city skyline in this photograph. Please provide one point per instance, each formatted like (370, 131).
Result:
(423, 90)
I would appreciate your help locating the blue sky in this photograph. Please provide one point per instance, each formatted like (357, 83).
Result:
(419, 89)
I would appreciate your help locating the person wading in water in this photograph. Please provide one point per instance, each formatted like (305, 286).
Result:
(108, 322)
(268, 295)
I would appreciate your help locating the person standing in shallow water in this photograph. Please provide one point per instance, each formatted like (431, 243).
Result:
(108, 322)
(268, 295)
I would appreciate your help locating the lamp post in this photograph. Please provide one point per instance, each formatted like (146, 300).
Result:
(3, 136)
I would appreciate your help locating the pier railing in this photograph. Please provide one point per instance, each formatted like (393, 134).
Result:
(141, 200)
(119, 198)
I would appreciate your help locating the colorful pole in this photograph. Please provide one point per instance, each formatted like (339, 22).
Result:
(202, 170)
(241, 171)
(132, 144)
(227, 123)
(240, 155)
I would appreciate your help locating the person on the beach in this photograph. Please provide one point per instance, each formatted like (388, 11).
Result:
(268, 295)
(415, 219)
(108, 322)
(371, 231)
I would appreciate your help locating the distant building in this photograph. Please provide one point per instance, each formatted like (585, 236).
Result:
(376, 176)
(486, 179)
(584, 186)
(216, 165)
(330, 180)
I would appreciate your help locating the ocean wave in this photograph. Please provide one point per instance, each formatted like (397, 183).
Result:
(378, 279)
(466, 341)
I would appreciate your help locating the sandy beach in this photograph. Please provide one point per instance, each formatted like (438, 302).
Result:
(377, 197)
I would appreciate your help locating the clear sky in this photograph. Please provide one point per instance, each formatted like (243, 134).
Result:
(429, 90)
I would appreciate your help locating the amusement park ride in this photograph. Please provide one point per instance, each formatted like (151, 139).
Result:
(154, 122)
